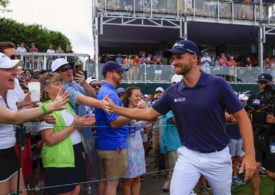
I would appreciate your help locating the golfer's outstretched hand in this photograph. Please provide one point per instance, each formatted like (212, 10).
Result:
(248, 166)
(108, 105)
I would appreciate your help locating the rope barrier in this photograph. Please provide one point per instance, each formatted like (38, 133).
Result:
(37, 188)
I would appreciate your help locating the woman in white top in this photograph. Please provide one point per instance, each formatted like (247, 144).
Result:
(9, 161)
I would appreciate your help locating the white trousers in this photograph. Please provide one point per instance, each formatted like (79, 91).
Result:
(216, 167)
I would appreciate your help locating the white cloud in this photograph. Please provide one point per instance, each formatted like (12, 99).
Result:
(71, 17)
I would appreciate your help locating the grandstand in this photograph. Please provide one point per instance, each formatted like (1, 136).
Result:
(151, 26)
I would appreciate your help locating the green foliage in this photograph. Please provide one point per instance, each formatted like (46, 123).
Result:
(4, 3)
(15, 32)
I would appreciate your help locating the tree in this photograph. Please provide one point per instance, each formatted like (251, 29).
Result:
(15, 32)
(4, 3)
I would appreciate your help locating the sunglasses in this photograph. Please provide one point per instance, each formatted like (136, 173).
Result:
(65, 68)
(95, 85)
(121, 94)
(262, 82)
(13, 57)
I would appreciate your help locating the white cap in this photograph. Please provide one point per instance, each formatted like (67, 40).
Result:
(91, 79)
(176, 78)
(58, 63)
(159, 89)
(6, 62)
(146, 95)
(243, 97)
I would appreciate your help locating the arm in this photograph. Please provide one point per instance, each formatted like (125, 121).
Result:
(89, 90)
(119, 122)
(51, 138)
(10, 117)
(89, 101)
(138, 114)
(249, 162)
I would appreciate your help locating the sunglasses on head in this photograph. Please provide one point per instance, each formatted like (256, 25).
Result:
(65, 68)
(96, 85)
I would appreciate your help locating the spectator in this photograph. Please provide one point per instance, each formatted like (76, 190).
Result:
(21, 48)
(249, 62)
(111, 133)
(206, 63)
(59, 49)
(50, 49)
(120, 92)
(223, 61)
(135, 70)
(232, 64)
(68, 49)
(62, 149)
(135, 150)
(9, 163)
(33, 48)
(119, 59)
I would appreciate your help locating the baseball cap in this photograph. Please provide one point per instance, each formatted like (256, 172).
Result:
(265, 77)
(159, 89)
(6, 62)
(91, 79)
(120, 90)
(182, 47)
(146, 95)
(36, 72)
(243, 97)
(58, 63)
(111, 65)
(176, 78)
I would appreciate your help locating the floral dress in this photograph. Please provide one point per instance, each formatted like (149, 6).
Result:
(135, 151)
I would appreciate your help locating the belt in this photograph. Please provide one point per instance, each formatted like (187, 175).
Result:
(216, 150)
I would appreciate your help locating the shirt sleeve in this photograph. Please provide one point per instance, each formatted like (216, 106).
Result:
(113, 116)
(73, 95)
(229, 99)
(43, 126)
(162, 105)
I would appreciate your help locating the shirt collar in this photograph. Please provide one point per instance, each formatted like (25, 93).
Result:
(201, 82)
(108, 85)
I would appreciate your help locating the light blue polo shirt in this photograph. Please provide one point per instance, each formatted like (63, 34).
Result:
(199, 112)
(108, 138)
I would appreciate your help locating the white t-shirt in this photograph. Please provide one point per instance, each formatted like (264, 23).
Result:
(21, 49)
(50, 51)
(7, 131)
(207, 60)
(68, 118)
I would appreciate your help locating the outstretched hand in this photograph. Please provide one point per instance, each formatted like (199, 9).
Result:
(108, 105)
(60, 100)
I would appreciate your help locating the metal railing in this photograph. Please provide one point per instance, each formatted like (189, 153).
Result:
(201, 8)
(163, 73)
(43, 60)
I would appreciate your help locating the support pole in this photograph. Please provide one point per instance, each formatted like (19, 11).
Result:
(260, 47)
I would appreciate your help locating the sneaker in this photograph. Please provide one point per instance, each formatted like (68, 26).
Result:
(166, 186)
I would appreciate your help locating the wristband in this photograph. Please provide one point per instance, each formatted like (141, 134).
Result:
(43, 108)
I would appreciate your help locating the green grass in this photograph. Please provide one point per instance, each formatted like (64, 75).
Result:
(267, 188)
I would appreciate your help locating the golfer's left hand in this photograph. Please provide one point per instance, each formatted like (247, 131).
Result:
(248, 166)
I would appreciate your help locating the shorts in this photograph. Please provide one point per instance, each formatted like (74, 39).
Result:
(235, 147)
(9, 164)
(67, 175)
(264, 156)
(113, 164)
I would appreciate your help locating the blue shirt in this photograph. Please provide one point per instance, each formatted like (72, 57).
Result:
(74, 89)
(199, 112)
(233, 130)
(108, 138)
(170, 140)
